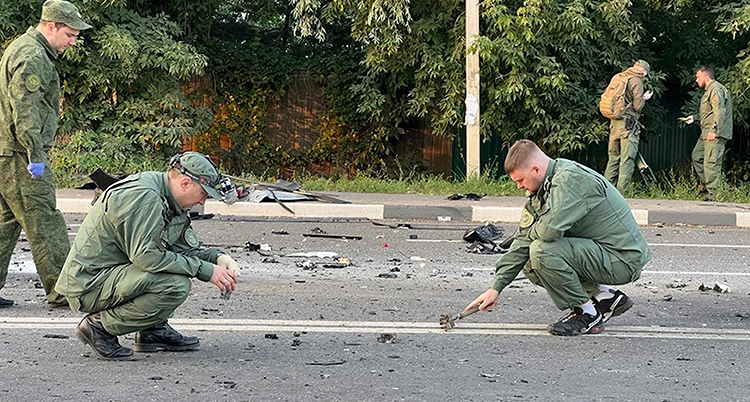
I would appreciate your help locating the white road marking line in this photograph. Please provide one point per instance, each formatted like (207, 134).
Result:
(436, 241)
(699, 245)
(696, 273)
(706, 273)
(650, 244)
(187, 324)
(652, 272)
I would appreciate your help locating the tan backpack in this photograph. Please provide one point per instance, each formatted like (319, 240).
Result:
(612, 103)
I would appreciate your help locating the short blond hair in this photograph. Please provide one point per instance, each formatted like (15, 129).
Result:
(520, 154)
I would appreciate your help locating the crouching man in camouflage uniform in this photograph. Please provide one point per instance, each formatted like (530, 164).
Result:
(29, 99)
(132, 259)
(577, 235)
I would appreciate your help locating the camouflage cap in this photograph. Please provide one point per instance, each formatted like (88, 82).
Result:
(64, 12)
(199, 168)
(644, 64)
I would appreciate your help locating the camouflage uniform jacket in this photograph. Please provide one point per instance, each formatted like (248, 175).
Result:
(574, 201)
(715, 111)
(634, 93)
(136, 221)
(29, 97)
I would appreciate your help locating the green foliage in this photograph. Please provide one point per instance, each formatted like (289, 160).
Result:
(252, 63)
(152, 74)
(543, 65)
(734, 19)
(414, 183)
(676, 184)
(681, 184)
(123, 105)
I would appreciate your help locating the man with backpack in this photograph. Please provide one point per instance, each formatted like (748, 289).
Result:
(622, 102)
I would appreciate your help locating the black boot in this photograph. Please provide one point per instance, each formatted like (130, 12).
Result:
(5, 303)
(91, 331)
(163, 337)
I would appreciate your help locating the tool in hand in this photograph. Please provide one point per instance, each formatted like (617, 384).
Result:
(447, 322)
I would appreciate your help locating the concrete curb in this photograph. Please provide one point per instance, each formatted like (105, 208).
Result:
(465, 213)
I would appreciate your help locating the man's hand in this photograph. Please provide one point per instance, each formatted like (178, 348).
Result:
(486, 300)
(648, 94)
(711, 136)
(227, 261)
(223, 278)
(36, 169)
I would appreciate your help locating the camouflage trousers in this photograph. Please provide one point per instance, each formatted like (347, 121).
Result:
(572, 268)
(622, 150)
(708, 157)
(29, 204)
(130, 299)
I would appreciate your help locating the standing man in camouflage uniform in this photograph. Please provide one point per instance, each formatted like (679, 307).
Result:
(133, 257)
(29, 98)
(624, 133)
(576, 236)
(715, 118)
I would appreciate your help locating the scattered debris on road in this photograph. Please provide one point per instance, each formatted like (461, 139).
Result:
(340, 263)
(482, 239)
(315, 254)
(387, 338)
(468, 196)
(55, 336)
(721, 288)
(333, 363)
(332, 236)
(718, 287)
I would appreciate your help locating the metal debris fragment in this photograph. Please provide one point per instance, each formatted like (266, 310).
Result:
(387, 338)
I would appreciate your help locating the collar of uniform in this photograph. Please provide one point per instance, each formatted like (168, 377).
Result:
(41, 39)
(169, 196)
(547, 178)
(710, 85)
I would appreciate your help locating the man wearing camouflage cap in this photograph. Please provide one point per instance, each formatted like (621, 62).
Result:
(131, 262)
(29, 98)
(624, 133)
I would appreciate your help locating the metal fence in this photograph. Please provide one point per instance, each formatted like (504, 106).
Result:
(671, 146)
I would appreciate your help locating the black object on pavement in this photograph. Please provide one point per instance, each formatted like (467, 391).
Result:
(468, 196)
(332, 236)
(486, 234)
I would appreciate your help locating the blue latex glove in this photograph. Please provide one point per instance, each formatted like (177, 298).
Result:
(36, 169)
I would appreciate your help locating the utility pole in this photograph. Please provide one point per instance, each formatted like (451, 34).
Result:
(472, 90)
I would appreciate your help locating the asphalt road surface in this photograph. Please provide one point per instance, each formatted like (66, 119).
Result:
(304, 328)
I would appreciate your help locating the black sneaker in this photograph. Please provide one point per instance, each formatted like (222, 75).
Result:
(577, 323)
(613, 306)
